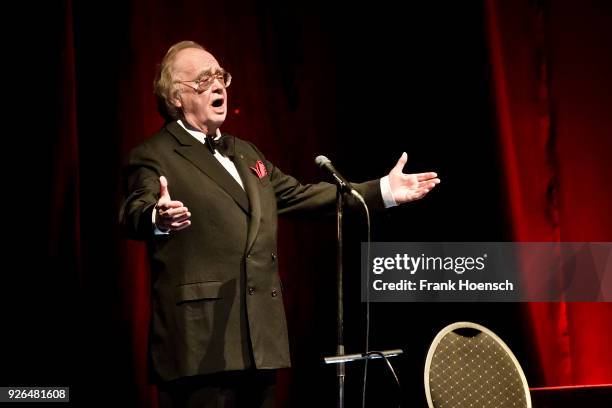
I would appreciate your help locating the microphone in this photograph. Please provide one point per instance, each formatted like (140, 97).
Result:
(325, 164)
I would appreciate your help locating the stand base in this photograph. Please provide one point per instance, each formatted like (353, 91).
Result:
(362, 356)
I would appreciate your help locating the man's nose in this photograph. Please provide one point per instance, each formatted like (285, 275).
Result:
(217, 86)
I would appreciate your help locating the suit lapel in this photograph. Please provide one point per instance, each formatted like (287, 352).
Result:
(251, 185)
(196, 153)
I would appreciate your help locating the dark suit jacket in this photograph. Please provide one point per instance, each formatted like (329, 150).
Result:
(216, 294)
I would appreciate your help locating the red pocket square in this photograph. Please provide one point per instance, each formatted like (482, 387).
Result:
(260, 169)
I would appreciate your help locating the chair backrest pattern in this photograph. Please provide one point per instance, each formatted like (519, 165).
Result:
(476, 371)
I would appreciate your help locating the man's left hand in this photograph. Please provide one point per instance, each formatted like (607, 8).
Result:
(410, 187)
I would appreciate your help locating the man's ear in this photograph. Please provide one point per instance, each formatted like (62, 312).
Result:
(176, 100)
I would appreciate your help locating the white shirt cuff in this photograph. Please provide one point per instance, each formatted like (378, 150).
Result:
(387, 194)
(157, 231)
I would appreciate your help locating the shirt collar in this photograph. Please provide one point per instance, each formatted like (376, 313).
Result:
(200, 136)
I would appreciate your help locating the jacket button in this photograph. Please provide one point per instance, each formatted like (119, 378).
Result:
(274, 293)
(251, 290)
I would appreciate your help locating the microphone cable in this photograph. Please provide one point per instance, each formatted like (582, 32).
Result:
(369, 353)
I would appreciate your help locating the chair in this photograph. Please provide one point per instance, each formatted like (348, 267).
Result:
(468, 366)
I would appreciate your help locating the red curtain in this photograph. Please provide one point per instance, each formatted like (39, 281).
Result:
(551, 65)
(64, 215)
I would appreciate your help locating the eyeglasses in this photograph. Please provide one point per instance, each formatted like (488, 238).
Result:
(205, 81)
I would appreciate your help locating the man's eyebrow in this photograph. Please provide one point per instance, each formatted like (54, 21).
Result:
(203, 73)
(208, 72)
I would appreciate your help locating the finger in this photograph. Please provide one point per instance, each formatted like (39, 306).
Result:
(181, 218)
(413, 194)
(426, 176)
(175, 211)
(399, 166)
(417, 194)
(177, 226)
(167, 205)
(429, 183)
(163, 188)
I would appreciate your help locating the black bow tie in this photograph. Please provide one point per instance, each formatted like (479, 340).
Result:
(224, 145)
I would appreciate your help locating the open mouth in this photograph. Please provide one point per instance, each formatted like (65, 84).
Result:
(217, 103)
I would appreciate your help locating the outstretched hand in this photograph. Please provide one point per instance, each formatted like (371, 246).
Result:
(410, 187)
(170, 215)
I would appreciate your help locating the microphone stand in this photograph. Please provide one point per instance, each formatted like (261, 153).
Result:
(340, 368)
(341, 359)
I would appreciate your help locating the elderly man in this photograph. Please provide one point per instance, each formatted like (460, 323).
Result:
(206, 203)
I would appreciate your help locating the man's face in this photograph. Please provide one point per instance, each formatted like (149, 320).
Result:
(204, 108)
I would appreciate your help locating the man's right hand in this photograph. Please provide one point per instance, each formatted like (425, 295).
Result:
(170, 215)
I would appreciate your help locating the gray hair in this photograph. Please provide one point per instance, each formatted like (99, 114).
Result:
(163, 86)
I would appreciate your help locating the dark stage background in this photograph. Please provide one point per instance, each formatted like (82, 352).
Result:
(509, 101)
